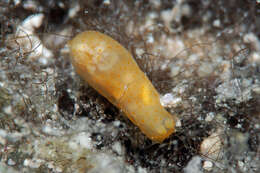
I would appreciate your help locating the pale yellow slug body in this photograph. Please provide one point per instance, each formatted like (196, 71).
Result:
(109, 68)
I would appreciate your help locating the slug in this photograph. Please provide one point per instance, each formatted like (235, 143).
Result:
(110, 69)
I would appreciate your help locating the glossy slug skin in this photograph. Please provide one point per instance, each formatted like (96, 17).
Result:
(109, 68)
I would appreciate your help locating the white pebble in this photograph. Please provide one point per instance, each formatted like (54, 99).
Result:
(28, 41)
(106, 2)
(8, 110)
(116, 123)
(32, 22)
(141, 170)
(11, 162)
(117, 147)
(74, 10)
(104, 162)
(211, 146)
(2, 140)
(82, 139)
(240, 164)
(178, 123)
(256, 57)
(175, 70)
(210, 116)
(33, 163)
(207, 165)
(216, 23)
(252, 38)
(169, 100)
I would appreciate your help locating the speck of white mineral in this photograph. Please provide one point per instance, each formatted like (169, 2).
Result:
(74, 9)
(147, 26)
(29, 42)
(3, 141)
(252, 39)
(216, 23)
(8, 110)
(194, 165)
(175, 14)
(178, 123)
(117, 123)
(51, 166)
(175, 70)
(169, 100)
(30, 5)
(82, 139)
(167, 16)
(141, 170)
(212, 146)
(17, 2)
(118, 148)
(2, 84)
(207, 165)
(210, 116)
(256, 57)
(11, 162)
(238, 125)
(104, 162)
(33, 163)
(241, 165)
(150, 39)
(106, 2)
(51, 128)
(180, 88)
(226, 73)
(31, 23)
(139, 52)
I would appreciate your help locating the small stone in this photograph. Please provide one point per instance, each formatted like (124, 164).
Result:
(74, 10)
(30, 43)
(106, 2)
(169, 100)
(117, 148)
(139, 52)
(252, 39)
(2, 140)
(32, 163)
(8, 110)
(211, 146)
(11, 162)
(210, 116)
(175, 70)
(240, 163)
(82, 139)
(216, 23)
(178, 123)
(207, 165)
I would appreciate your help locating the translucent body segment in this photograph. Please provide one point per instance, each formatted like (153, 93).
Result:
(110, 69)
